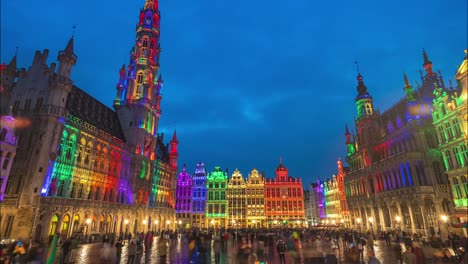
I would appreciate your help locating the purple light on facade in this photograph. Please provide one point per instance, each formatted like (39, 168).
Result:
(184, 192)
(199, 189)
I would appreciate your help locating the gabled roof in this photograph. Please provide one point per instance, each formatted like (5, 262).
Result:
(90, 110)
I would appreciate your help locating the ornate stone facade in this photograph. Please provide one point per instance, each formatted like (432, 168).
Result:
(82, 167)
(284, 200)
(236, 195)
(450, 114)
(396, 177)
(255, 199)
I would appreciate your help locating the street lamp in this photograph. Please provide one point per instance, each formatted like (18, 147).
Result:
(371, 220)
(126, 225)
(445, 219)
(88, 221)
(359, 223)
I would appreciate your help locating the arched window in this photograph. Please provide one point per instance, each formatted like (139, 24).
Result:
(139, 84)
(53, 225)
(65, 225)
(76, 222)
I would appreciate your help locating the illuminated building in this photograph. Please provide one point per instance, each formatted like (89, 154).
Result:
(236, 196)
(255, 198)
(332, 201)
(83, 167)
(216, 204)
(8, 145)
(450, 115)
(199, 189)
(313, 204)
(184, 198)
(283, 199)
(340, 177)
(308, 209)
(396, 177)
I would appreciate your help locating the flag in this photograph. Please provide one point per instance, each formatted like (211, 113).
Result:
(52, 250)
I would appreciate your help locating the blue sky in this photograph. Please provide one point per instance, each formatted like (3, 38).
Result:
(246, 82)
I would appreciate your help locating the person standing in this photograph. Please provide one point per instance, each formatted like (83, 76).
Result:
(408, 257)
(132, 248)
(65, 250)
(118, 250)
(217, 251)
(281, 247)
(162, 248)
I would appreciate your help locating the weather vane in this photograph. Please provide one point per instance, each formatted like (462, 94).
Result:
(357, 66)
(73, 31)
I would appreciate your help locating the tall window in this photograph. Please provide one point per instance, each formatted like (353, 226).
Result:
(27, 104)
(449, 131)
(9, 225)
(139, 84)
(38, 104)
(456, 189)
(3, 134)
(464, 184)
(443, 136)
(449, 161)
(463, 154)
(6, 160)
(456, 127)
(458, 157)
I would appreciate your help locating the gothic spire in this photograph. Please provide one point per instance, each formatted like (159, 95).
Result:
(426, 59)
(407, 84)
(12, 65)
(347, 130)
(174, 137)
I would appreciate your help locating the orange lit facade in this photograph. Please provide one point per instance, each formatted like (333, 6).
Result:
(284, 200)
(342, 192)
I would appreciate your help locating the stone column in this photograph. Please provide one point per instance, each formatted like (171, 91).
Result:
(410, 210)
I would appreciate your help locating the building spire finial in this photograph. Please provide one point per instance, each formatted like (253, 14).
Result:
(407, 84)
(73, 30)
(16, 51)
(426, 58)
(357, 67)
(281, 160)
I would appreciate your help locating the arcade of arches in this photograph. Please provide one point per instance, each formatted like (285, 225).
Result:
(90, 222)
(410, 215)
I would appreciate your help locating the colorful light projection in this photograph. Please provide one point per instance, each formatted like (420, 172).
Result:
(199, 189)
(216, 204)
(284, 198)
(184, 192)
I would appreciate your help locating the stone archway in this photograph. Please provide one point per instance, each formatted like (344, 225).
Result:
(65, 225)
(387, 221)
(405, 216)
(417, 215)
(38, 233)
(431, 215)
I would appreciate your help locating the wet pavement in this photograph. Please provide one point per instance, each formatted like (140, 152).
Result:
(178, 253)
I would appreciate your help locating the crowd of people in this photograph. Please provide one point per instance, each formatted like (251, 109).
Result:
(278, 245)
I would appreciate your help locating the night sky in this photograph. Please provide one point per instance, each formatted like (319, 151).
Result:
(246, 82)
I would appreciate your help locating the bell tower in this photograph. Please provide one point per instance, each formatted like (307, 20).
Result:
(138, 99)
